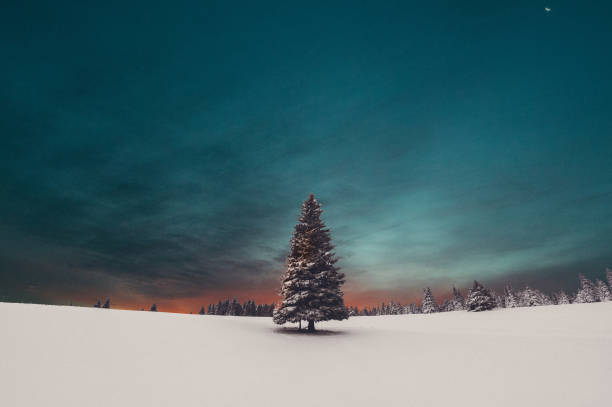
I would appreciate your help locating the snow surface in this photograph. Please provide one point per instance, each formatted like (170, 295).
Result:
(69, 356)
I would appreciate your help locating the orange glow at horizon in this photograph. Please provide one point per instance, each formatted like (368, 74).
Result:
(354, 296)
(193, 304)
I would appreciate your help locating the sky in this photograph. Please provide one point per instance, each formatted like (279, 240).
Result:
(160, 153)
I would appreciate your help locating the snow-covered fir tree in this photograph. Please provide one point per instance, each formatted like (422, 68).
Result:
(234, 309)
(154, 307)
(106, 304)
(479, 298)
(544, 299)
(603, 291)
(445, 306)
(250, 309)
(429, 303)
(609, 276)
(98, 304)
(562, 298)
(393, 308)
(202, 311)
(530, 297)
(499, 300)
(457, 302)
(311, 284)
(588, 292)
(510, 298)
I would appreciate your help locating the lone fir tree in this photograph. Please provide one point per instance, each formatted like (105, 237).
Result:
(310, 287)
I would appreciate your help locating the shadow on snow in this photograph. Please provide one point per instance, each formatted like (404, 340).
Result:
(304, 331)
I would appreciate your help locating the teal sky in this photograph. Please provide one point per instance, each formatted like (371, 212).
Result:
(162, 152)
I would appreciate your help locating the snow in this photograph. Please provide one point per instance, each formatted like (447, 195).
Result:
(70, 356)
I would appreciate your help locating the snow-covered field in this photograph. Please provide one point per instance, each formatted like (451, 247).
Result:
(69, 356)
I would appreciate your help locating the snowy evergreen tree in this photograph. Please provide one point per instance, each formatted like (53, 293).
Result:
(311, 284)
(562, 298)
(429, 303)
(530, 297)
(609, 276)
(154, 307)
(393, 309)
(545, 299)
(457, 302)
(223, 307)
(234, 308)
(445, 306)
(106, 304)
(479, 298)
(588, 292)
(603, 291)
(510, 297)
(250, 309)
(202, 311)
(98, 304)
(499, 300)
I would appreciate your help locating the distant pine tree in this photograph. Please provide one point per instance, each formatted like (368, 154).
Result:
(499, 300)
(429, 303)
(107, 304)
(311, 284)
(393, 308)
(235, 309)
(530, 297)
(457, 302)
(603, 291)
(480, 298)
(250, 309)
(154, 307)
(609, 276)
(562, 298)
(510, 297)
(98, 304)
(588, 292)
(202, 311)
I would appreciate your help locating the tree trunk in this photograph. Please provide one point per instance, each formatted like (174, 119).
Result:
(311, 325)
(300, 328)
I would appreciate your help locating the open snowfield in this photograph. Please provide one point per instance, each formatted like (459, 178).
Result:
(542, 356)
